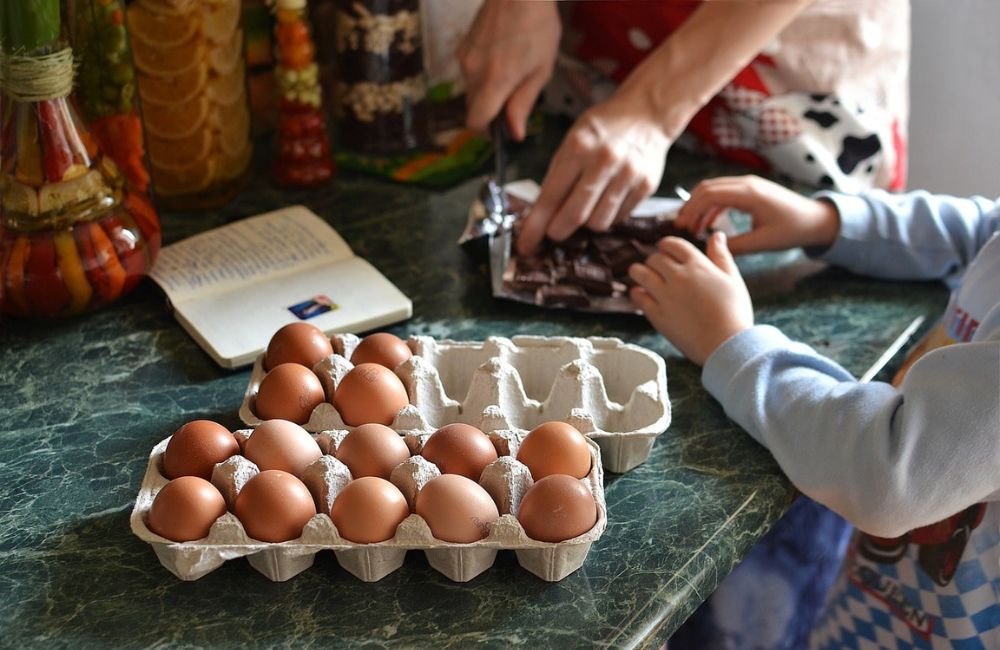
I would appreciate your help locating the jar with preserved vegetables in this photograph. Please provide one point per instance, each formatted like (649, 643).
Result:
(302, 151)
(73, 236)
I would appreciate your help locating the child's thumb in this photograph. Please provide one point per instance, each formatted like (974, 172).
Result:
(718, 251)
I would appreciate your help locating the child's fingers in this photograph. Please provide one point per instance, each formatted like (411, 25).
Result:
(708, 219)
(718, 252)
(679, 250)
(642, 299)
(730, 193)
(706, 199)
(646, 277)
(664, 265)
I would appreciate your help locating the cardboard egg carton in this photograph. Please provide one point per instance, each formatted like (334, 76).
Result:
(506, 480)
(613, 392)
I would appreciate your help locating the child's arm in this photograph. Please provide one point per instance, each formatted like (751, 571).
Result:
(909, 236)
(888, 460)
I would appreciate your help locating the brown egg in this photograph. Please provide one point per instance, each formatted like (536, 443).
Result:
(369, 510)
(288, 392)
(300, 343)
(196, 447)
(555, 448)
(283, 445)
(370, 393)
(382, 348)
(185, 509)
(557, 508)
(372, 450)
(460, 449)
(456, 509)
(274, 506)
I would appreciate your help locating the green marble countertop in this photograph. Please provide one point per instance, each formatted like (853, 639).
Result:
(83, 402)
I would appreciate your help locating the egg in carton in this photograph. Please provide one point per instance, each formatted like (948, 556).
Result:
(613, 392)
(506, 480)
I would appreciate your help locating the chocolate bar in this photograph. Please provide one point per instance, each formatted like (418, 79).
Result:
(593, 278)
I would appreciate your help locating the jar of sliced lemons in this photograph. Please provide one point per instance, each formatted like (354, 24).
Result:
(192, 85)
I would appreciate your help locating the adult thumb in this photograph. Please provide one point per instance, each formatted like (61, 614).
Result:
(718, 251)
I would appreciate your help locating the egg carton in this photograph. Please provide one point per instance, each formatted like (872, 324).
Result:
(613, 392)
(506, 480)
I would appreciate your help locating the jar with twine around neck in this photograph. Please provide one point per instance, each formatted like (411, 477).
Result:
(74, 237)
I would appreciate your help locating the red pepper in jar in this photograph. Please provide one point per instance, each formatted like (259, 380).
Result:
(120, 137)
(132, 259)
(149, 224)
(96, 275)
(46, 292)
(57, 156)
(107, 260)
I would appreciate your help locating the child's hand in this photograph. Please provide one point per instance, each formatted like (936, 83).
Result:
(781, 218)
(697, 302)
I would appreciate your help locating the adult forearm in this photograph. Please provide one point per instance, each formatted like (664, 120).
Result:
(719, 39)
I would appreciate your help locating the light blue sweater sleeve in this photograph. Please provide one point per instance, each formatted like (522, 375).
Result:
(888, 460)
(914, 236)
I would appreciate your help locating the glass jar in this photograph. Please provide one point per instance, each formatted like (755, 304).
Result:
(105, 91)
(381, 87)
(192, 86)
(302, 147)
(72, 235)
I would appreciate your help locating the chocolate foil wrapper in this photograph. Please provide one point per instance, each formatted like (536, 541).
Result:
(589, 271)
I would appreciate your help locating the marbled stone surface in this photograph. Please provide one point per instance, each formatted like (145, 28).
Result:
(83, 402)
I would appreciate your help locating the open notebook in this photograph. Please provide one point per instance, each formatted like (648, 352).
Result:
(234, 286)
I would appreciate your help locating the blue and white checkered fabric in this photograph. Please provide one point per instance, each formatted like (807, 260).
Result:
(898, 605)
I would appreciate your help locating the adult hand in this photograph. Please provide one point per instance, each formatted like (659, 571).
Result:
(696, 301)
(611, 159)
(781, 218)
(507, 58)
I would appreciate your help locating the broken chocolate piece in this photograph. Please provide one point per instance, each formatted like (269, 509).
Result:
(645, 229)
(562, 295)
(576, 244)
(644, 249)
(531, 280)
(533, 263)
(595, 279)
(604, 244)
(619, 259)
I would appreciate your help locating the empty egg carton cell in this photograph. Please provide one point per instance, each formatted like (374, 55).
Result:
(613, 392)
